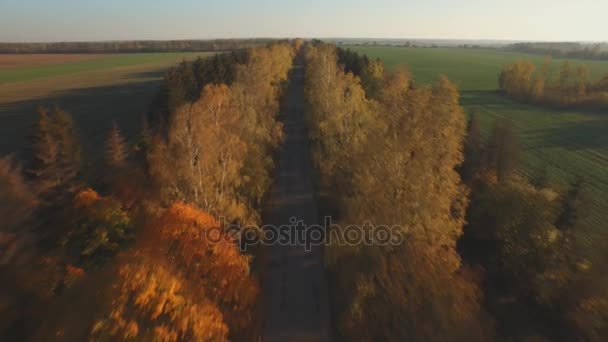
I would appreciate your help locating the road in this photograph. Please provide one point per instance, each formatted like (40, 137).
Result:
(295, 295)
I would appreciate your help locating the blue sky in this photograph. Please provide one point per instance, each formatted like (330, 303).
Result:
(69, 20)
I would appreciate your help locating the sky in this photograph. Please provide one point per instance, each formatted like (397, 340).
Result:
(78, 20)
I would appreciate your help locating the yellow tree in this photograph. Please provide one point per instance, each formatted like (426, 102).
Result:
(201, 160)
(406, 177)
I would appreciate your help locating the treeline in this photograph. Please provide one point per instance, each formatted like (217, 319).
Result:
(571, 86)
(369, 71)
(563, 50)
(487, 254)
(542, 271)
(135, 46)
(388, 163)
(141, 257)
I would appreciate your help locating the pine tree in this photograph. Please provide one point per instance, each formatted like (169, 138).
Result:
(69, 149)
(44, 164)
(56, 154)
(116, 149)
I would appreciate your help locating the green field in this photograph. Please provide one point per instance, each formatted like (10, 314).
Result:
(470, 69)
(570, 142)
(97, 91)
(104, 62)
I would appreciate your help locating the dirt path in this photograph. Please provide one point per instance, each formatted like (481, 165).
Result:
(295, 288)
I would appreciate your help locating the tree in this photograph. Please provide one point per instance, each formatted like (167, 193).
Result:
(473, 151)
(99, 225)
(44, 169)
(192, 239)
(17, 206)
(116, 153)
(372, 77)
(572, 206)
(183, 280)
(565, 80)
(18, 200)
(407, 178)
(517, 79)
(582, 80)
(503, 150)
(154, 302)
(201, 160)
(70, 151)
(56, 155)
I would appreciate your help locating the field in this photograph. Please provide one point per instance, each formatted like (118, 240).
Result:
(96, 89)
(570, 143)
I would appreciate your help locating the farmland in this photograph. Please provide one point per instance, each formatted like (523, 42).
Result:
(96, 89)
(570, 143)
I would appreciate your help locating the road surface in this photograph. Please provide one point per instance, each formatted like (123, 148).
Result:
(295, 295)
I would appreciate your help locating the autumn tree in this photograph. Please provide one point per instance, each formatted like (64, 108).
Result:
(183, 280)
(153, 301)
(192, 240)
(201, 160)
(570, 87)
(342, 117)
(223, 141)
(388, 163)
(517, 79)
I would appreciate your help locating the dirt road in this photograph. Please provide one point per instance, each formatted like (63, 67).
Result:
(295, 288)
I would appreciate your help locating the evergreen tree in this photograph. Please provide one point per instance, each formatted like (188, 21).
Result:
(116, 149)
(56, 154)
(70, 150)
(44, 153)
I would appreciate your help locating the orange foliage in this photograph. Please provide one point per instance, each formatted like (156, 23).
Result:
(218, 266)
(85, 198)
(155, 303)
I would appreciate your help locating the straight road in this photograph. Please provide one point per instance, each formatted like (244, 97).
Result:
(295, 292)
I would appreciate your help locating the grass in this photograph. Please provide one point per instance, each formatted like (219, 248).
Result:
(570, 143)
(96, 91)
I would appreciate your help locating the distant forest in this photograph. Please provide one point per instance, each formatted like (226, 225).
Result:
(564, 49)
(134, 46)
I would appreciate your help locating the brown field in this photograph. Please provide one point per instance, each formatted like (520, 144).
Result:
(8, 61)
